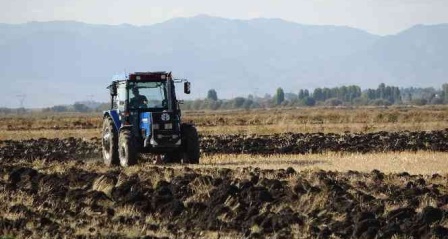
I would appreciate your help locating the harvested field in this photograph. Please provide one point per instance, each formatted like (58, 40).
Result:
(261, 121)
(48, 149)
(50, 199)
(243, 144)
(420, 162)
(319, 143)
(323, 174)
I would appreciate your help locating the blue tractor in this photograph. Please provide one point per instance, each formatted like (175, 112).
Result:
(145, 117)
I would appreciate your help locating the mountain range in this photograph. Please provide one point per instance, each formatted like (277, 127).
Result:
(62, 62)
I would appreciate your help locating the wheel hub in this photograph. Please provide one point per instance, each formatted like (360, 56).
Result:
(106, 141)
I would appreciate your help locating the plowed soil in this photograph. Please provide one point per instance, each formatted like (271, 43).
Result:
(69, 148)
(168, 202)
(318, 142)
(48, 190)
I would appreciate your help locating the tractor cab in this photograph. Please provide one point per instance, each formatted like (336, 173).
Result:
(145, 117)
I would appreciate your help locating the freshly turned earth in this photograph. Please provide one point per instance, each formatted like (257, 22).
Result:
(48, 149)
(48, 189)
(248, 202)
(292, 143)
(288, 143)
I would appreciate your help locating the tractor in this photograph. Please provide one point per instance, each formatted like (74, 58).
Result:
(145, 117)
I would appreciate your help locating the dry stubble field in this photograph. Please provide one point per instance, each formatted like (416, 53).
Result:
(291, 173)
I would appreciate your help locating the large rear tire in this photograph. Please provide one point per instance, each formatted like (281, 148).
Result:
(190, 142)
(127, 149)
(109, 142)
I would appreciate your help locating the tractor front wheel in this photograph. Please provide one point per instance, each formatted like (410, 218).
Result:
(190, 142)
(109, 142)
(127, 149)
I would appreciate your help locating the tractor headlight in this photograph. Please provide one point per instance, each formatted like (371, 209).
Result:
(155, 126)
(169, 126)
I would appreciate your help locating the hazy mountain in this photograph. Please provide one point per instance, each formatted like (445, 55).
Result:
(63, 62)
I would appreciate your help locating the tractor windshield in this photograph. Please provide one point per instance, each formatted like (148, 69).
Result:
(147, 95)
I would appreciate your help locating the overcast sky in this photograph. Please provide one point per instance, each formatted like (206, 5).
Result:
(376, 16)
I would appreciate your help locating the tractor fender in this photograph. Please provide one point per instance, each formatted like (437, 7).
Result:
(113, 114)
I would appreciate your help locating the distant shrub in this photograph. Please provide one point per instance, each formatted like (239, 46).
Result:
(333, 102)
(436, 101)
(78, 107)
(238, 102)
(59, 108)
(419, 101)
(380, 102)
(309, 101)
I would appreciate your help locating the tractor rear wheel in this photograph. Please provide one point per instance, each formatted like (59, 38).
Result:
(127, 149)
(190, 142)
(109, 142)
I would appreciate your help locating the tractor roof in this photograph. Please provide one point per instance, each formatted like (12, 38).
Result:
(149, 76)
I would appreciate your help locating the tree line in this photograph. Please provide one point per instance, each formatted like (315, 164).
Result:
(353, 95)
(383, 95)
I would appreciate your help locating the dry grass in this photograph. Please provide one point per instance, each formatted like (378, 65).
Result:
(323, 128)
(326, 120)
(413, 163)
(269, 121)
(422, 162)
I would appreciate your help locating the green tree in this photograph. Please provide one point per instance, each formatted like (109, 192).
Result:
(306, 93)
(301, 94)
(4, 110)
(445, 92)
(318, 94)
(59, 108)
(326, 94)
(78, 107)
(381, 91)
(238, 102)
(279, 96)
(248, 104)
(212, 95)
(309, 101)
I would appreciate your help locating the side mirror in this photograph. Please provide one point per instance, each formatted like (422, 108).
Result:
(187, 87)
(113, 90)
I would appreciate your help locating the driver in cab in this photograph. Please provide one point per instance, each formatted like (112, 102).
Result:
(138, 101)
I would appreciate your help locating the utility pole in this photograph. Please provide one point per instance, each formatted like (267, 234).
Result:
(21, 100)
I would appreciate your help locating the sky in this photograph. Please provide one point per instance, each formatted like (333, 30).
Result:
(382, 17)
